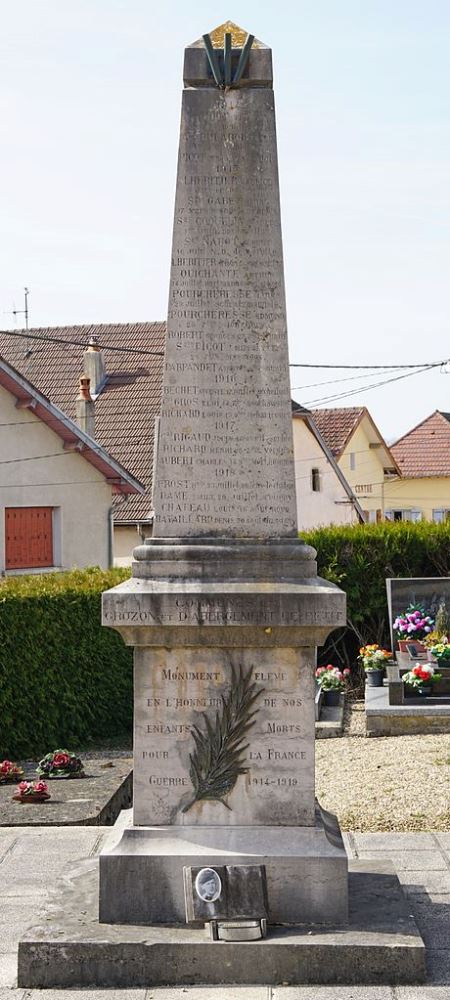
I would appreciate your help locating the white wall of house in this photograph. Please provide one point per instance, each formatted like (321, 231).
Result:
(36, 472)
(126, 537)
(329, 504)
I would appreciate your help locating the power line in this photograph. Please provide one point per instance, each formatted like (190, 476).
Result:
(433, 365)
(160, 354)
(80, 343)
(375, 385)
(334, 381)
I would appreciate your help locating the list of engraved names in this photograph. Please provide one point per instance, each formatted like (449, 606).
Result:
(225, 457)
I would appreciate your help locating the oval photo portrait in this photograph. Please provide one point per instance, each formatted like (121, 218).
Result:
(208, 885)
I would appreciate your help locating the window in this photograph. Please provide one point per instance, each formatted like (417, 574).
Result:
(352, 461)
(403, 515)
(315, 480)
(441, 514)
(28, 537)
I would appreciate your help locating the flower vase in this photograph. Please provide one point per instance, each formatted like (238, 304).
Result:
(424, 691)
(374, 678)
(332, 697)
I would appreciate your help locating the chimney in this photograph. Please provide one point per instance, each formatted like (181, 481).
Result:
(85, 408)
(94, 366)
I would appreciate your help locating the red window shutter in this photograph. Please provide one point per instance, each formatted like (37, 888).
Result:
(28, 537)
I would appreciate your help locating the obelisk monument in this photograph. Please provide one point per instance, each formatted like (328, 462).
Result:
(224, 608)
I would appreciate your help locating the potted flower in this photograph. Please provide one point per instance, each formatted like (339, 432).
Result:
(421, 679)
(412, 626)
(373, 659)
(61, 764)
(31, 791)
(439, 636)
(10, 772)
(440, 652)
(332, 681)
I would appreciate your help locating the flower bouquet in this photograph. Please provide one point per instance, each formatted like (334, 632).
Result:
(373, 658)
(413, 625)
(10, 772)
(441, 651)
(332, 681)
(31, 791)
(61, 764)
(421, 678)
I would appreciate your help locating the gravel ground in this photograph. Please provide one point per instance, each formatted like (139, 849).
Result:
(390, 783)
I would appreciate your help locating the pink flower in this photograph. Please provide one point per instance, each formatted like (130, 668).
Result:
(346, 672)
(60, 760)
(24, 786)
(39, 786)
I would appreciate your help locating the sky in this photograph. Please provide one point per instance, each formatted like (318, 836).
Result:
(89, 108)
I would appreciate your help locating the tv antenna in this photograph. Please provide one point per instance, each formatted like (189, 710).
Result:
(22, 312)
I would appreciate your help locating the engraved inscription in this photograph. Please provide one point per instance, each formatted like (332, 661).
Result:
(216, 731)
(225, 419)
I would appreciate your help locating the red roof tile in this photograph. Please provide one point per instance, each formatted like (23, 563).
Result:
(337, 425)
(126, 408)
(425, 450)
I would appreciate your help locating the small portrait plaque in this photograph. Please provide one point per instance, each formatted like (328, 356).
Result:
(208, 885)
(226, 892)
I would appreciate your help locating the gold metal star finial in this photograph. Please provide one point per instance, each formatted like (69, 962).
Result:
(238, 36)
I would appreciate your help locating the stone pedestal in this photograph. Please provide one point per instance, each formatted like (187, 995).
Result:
(224, 634)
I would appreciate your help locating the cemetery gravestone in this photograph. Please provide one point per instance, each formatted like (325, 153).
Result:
(427, 591)
(224, 608)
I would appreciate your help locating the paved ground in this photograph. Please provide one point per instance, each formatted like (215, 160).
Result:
(31, 859)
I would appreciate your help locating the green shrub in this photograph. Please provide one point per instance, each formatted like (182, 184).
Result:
(64, 680)
(359, 558)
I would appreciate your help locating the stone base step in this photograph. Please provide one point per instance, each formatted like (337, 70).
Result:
(71, 949)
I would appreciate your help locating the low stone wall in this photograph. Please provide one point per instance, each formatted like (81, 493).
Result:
(408, 718)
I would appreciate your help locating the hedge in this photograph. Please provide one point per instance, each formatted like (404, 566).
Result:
(359, 558)
(64, 680)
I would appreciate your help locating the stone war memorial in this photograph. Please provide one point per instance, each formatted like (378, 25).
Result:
(228, 870)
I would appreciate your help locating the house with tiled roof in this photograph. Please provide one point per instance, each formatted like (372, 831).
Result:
(361, 454)
(124, 363)
(323, 494)
(423, 457)
(57, 483)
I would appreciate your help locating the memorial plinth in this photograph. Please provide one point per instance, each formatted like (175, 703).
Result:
(224, 607)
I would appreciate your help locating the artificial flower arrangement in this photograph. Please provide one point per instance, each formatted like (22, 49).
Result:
(441, 651)
(32, 791)
(61, 764)
(431, 639)
(421, 676)
(373, 657)
(413, 623)
(10, 772)
(437, 642)
(331, 678)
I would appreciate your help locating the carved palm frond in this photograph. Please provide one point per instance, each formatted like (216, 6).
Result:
(219, 754)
